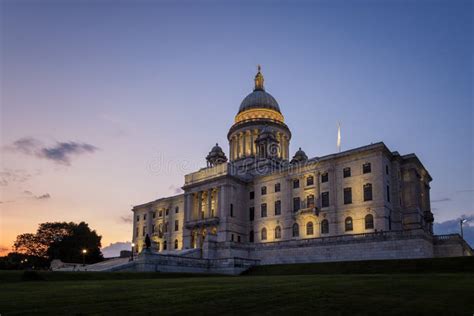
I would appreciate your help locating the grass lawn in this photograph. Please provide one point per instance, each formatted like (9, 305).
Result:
(429, 294)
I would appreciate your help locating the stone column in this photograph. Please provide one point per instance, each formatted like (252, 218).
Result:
(252, 153)
(199, 204)
(244, 144)
(318, 190)
(209, 203)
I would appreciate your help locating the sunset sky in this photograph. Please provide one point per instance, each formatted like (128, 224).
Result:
(108, 104)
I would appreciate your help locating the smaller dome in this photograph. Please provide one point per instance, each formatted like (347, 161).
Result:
(216, 156)
(300, 156)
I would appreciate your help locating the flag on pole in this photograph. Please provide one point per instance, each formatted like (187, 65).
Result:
(339, 137)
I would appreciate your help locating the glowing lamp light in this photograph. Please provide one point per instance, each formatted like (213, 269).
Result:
(84, 251)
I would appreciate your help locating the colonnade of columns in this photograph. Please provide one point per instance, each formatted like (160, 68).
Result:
(204, 204)
(242, 144)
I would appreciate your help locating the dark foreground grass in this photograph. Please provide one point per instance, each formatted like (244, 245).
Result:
(427, 294)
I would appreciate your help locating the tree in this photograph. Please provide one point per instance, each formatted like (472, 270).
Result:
(69, 248)
(61, 240)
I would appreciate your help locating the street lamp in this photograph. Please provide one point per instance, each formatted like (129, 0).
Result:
(133, 246)
(84, 251)
(462, 221)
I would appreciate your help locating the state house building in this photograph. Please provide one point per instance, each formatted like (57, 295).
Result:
(264, 204)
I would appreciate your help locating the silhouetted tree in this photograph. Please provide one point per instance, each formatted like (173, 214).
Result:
(61, 240)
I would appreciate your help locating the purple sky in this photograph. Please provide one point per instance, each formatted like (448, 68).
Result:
(108, 104)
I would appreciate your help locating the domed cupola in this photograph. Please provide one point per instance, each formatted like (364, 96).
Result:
(259, 98)
(216, 156)
(257, 110)
(300, 156)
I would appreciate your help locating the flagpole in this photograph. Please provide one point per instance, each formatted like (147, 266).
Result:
(339, 136)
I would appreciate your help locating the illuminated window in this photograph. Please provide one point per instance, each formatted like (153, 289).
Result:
(346, 172)
(263, 210)
(309, 228)
(310, 201)
(325, 227)
(310, 180)
(296, 184)
(348, 224)
(324, 177)
(176, 244)
(296, 230)
(366, 168)
(264, 234)
(325, 199)
(369, 221)
(368, 192)
(296, 204)
(264, 190)
(347, 195)
(278, 207)
(277, 187)
(278, 232)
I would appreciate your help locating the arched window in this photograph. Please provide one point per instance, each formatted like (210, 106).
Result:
(369, 221)
(296, 230)
(325, 227)
(348, 224)
(309, 228)
(264, 234)
(251, 236)
(176, 244)
(278, 232)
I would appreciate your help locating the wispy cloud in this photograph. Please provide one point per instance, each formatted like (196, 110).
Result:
(8, 176)
(446, 199)
(175, 189)
(61, 152)
(126, 219)
(44, 196)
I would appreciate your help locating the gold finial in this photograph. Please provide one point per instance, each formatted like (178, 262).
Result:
(259, 79)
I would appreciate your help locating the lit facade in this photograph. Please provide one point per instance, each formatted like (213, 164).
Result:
(262, 204)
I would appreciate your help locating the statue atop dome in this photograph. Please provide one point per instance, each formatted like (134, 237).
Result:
(259, 80)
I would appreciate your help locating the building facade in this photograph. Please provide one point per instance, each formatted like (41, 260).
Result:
(268, 205)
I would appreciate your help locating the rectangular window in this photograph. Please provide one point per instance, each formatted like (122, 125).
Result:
(152, 228)
(252, 195)
(346, 172)
(144, 217)
(176, 209)
(277, 187)
(138, 218)
(154, 214)
(388, 193)
(278, 207)
(160, 213)
(252, 213)
(325, 199)
(176, 225)
(167, 211)
(368, 192)
(231, 237)
(231, 210)
(324, 177)
(309, 180)
(144, 231)
(263, 210)
(238, 238)
(366, 168)
(136, 232)
(296, 184)
(347, 195)
(310, 201)
(296, 204)
(264, 190)
(386, 169)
